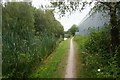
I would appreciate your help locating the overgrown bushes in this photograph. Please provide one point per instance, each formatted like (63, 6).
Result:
(29, 35)
(95, 54)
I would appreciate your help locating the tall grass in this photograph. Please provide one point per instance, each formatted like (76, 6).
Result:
(29, 35)
(53, 67)
(38, 49)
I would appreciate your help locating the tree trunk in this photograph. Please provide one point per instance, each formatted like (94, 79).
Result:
(114, 30)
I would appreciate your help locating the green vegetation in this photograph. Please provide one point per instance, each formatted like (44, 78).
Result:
(110, 8)
(80, 46)
(53, 67)
(29, 35)
(72, 30)
(95, 57)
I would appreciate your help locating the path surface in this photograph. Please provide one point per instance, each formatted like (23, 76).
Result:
(70, 68)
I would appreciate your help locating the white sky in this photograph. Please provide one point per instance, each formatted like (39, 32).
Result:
(66, 21)
(75, 18)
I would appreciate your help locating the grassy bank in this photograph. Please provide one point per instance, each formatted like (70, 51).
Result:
(79, 42)
(54, 65)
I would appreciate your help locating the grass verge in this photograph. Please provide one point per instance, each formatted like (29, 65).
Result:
(79, 42)
(54, 65)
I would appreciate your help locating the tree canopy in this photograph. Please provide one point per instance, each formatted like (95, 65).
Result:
(72, 30)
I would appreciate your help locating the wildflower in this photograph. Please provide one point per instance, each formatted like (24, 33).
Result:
(98, 70)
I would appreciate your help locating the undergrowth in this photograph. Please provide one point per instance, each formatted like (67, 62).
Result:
(97, 61)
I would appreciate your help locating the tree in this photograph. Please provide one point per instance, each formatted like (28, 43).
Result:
(39, 24)
(43, 19)
(72, 30)
(110, 7)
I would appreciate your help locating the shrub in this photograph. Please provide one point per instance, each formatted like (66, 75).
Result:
(95, 54)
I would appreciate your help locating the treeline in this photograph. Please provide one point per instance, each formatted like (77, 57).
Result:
(29, 35)
(71, 31)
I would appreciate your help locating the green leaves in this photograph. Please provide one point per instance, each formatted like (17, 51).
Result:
(72, 30)
(95, 55)
(45, 22)
(29, 36)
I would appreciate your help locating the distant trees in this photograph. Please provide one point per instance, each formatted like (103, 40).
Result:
(29, 35)
(72, 30)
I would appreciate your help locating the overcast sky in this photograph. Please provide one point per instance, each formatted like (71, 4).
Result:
(66, 21)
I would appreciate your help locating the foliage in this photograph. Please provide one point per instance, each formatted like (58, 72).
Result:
(43, 19)
(99, 41)
(17, 23)
(53, 66)
(109, 7)
(72, 30)
(70, 6)
(96, 58)
(80, 43)
(29, 35)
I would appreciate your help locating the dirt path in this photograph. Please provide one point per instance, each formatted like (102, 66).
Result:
(70, 68)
